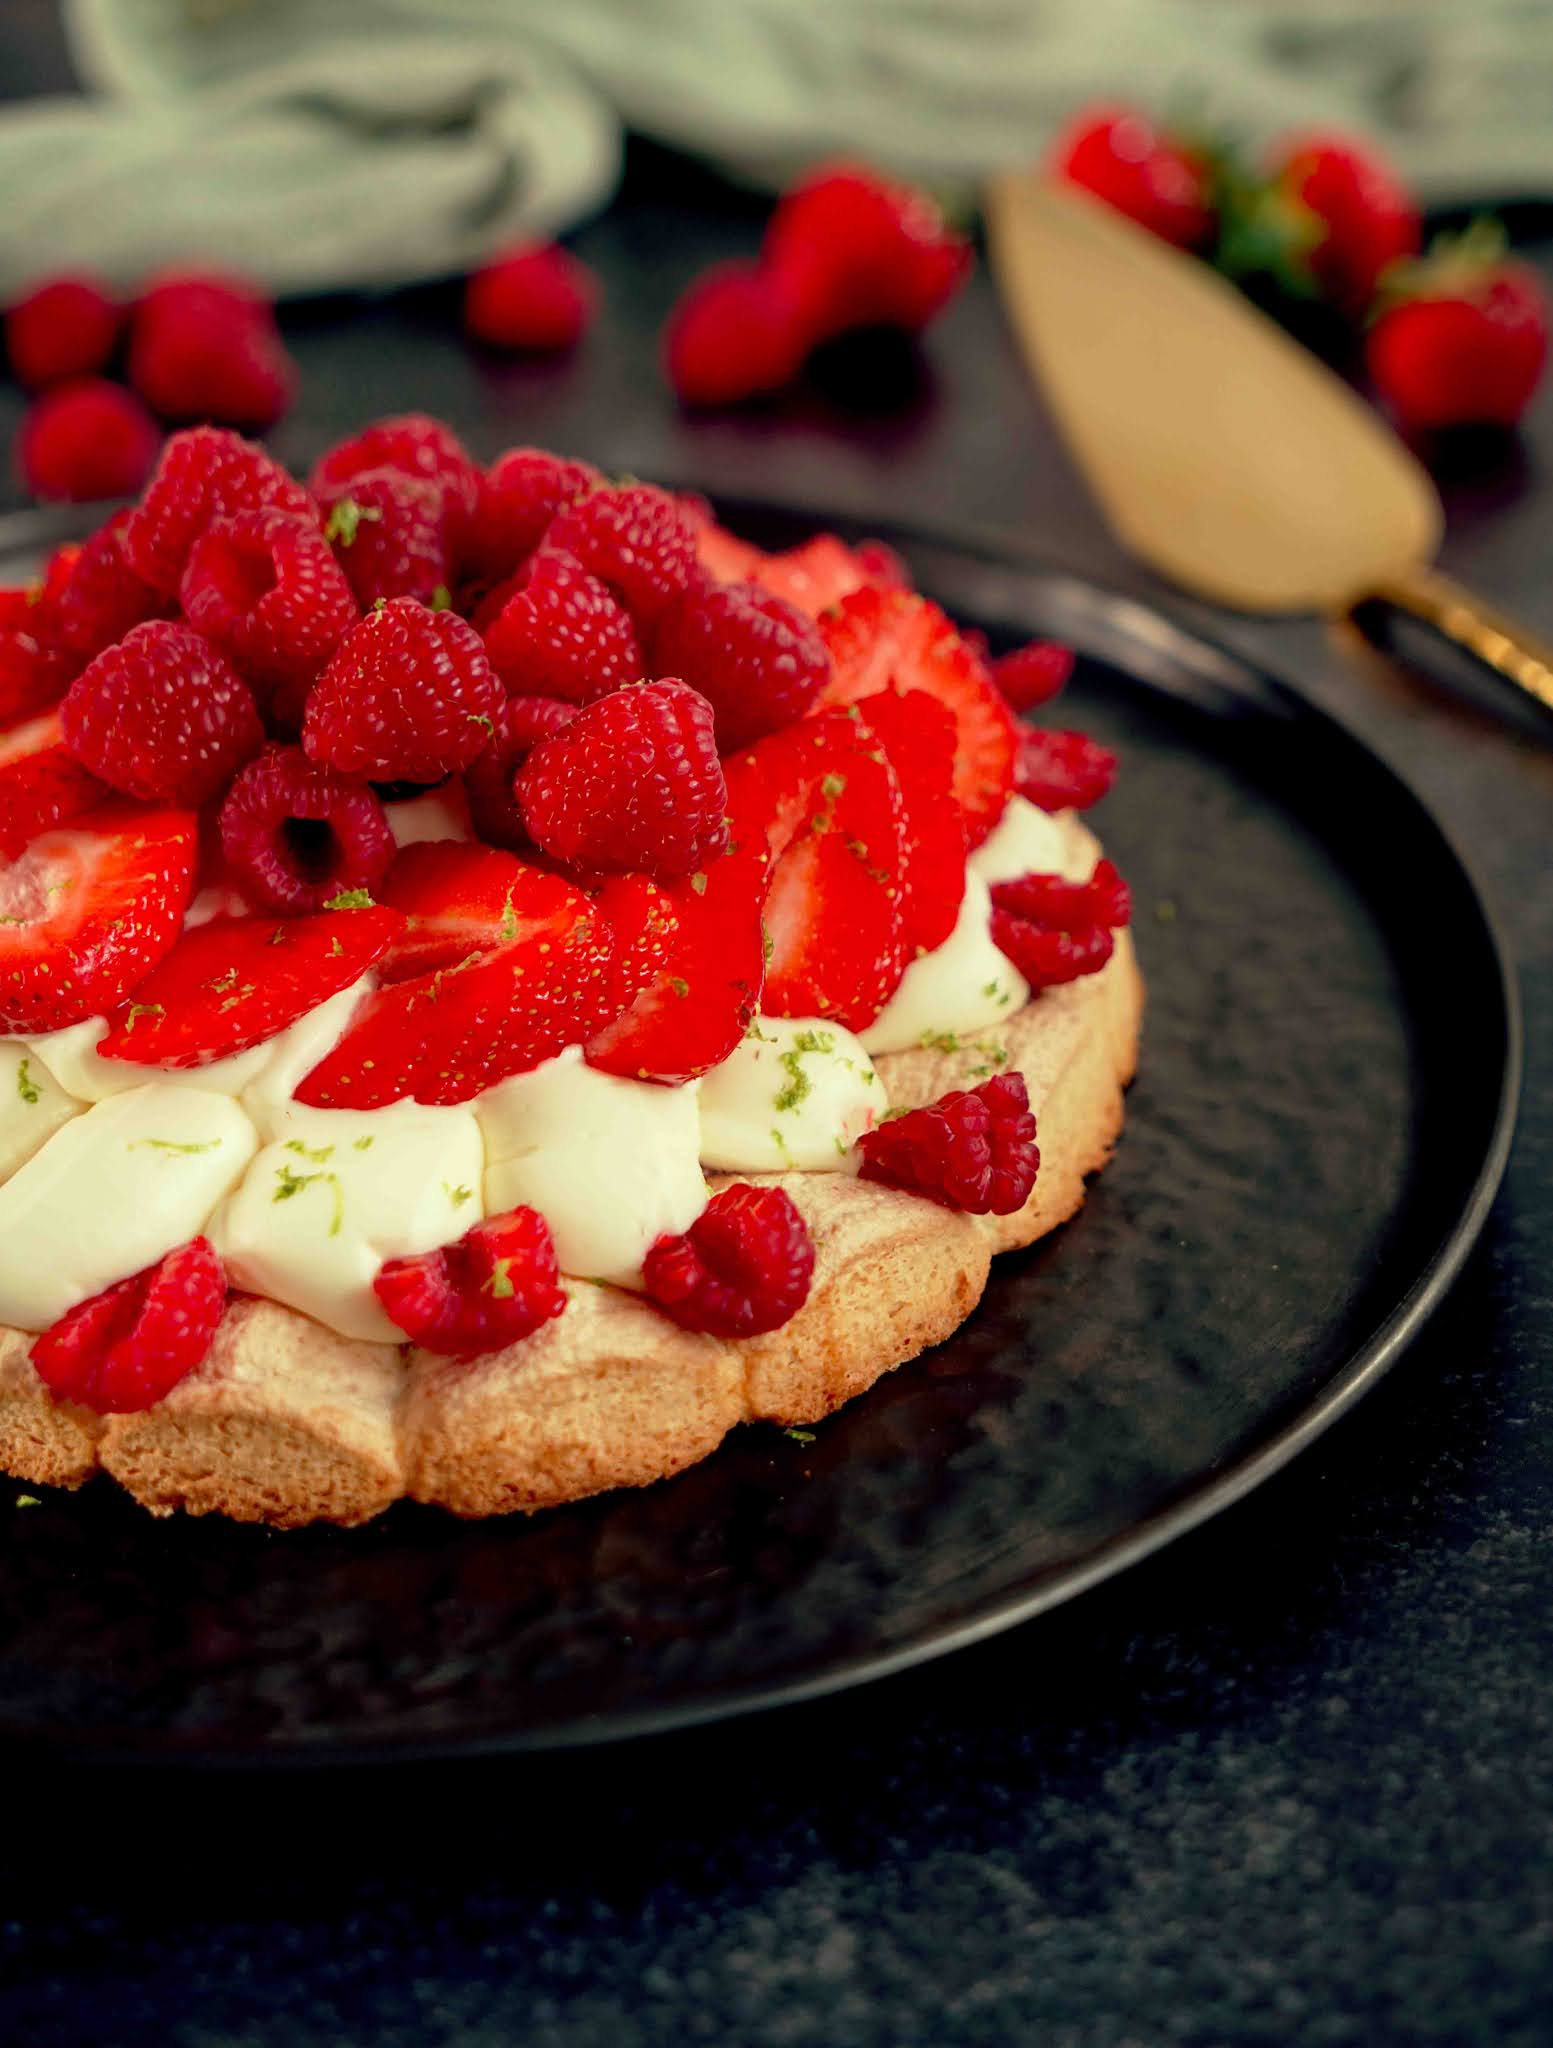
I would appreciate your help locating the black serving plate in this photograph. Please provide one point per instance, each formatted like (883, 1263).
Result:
(1328, 1084)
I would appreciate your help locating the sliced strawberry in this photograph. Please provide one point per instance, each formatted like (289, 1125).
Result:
(880, 637)
(88, 910)
(701, 942)
(41, 782)
(824, 570)
(459, 899)
(443, 1035)
(33, 673)
(236, 981)
(917, 733)
(822, 799)
(724, 557)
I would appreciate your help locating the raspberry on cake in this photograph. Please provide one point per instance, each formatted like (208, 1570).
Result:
(502, 980)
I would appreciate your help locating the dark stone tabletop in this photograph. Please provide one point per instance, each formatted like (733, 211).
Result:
(1290, 1781)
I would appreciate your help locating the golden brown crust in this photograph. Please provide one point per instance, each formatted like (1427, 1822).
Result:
(287, 1423)
(284, 1422)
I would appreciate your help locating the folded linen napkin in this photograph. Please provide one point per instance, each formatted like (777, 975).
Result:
(340, 143)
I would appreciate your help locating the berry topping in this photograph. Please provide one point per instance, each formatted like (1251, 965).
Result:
(1032, 674)
(88, 910)
(492, 1288)
(636, 539)
(521, 724)
(162, 716)
(972, 1150)
(129, 1346)
(519, 496)
(823, 802)
(633, 782)
(723, 557)
(536, 297)
(102, 597)
(89, 439)
(823, 570)
(63, 328)
(407, 696)
(266, 589)
(758, 662)
(443, 1036)
(917, 733)
(698, 959)
(849, 249)
(414, 443)
(205, 473)
(297, 834)
(388, 532)
(1064, 771)
(1365, 217)
(33, 674)
(732, 336)
(1123, 159)
(881, 637)
(457, 898)
(560, 632)
(1056, 931)
(237, 981)
(207, 348)
(41, 782)
(743, 1267)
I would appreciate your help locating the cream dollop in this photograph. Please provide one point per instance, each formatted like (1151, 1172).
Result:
(1029, 841)
(797, 1092)
(609, 1163)
(32, 1106)
(963, 985)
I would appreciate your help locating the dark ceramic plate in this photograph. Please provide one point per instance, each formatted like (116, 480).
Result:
(1311, 1147)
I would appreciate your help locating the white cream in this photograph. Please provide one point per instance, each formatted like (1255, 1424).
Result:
(796, 1093)
(320, 1209)
(221, 899)
(610, 1164)
(32, 1106)
(963, 985)
(439, 814)
(294, 1054)
(1029, 841)
(111, 1192)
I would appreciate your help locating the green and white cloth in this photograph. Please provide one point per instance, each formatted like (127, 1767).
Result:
(337, 143)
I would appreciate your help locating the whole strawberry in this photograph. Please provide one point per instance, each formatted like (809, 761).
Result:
(1120, 156)
(204, 347)
(535, 298)
(1464, 338)
(408, 696)
(1365, 217)
(733, 335)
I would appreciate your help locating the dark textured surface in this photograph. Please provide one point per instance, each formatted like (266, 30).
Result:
(1290, 1782)
(1244, 1249)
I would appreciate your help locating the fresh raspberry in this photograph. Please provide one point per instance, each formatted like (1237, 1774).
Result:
(560, 633)
(415, 444)
(849, 249)
(731, 336)
(494, 1287)
(129, 1346)
(42, 784)
(1063, 771)
(633, 782)
(162, 715)
(266, 589)
(972, 1149)
(298, 835)
(63, 328)
(205, 473)
(86, 911)
(102, 597)
(758, 662)
(521, 724)
(408, 695)
(1032, 674)
(388, 531)
(90, 439)
(207, 348)
(1056, 931)
(519, 496)
(636, 539)
(534, 297)
(743, 1267)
